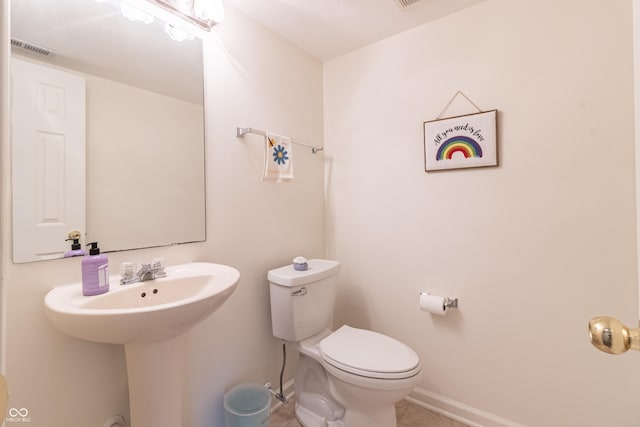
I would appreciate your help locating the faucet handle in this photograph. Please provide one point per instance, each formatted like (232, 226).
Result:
(128, 270)
(158, 268)
(157, 264)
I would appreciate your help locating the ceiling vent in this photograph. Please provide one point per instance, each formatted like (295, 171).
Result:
(405, 3)
(31, 48)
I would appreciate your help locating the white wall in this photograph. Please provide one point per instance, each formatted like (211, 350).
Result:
(533, 248)
(253, 79)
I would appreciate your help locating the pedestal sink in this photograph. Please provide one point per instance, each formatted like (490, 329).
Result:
(151, 319)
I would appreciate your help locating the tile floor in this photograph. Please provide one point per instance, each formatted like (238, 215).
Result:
(408, 414)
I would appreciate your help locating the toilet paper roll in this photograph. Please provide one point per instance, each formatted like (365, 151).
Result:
(433, 304)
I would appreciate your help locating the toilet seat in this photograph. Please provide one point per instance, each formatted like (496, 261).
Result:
(369, 354)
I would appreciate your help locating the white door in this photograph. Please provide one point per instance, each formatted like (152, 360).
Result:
(48, 159)
(606, 333)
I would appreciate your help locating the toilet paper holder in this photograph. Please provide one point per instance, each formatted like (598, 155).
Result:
(450, 302)
(447, 302)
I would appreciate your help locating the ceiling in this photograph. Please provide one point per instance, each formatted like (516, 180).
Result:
(329, 28)
(93, 37)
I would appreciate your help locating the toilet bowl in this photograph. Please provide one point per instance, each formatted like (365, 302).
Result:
(366, 373)
(345, 378)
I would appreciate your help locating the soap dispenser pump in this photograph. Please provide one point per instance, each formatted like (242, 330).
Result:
(76, 248)
(95, 272)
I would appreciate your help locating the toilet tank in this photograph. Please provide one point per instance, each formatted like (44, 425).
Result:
(302, 301)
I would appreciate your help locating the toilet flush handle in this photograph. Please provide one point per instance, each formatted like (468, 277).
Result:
(300, 292)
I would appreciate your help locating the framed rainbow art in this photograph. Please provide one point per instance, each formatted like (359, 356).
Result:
(468, 141)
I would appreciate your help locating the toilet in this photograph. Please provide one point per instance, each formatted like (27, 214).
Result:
(345, 378)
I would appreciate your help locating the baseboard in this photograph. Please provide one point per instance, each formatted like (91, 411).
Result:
(450, 408)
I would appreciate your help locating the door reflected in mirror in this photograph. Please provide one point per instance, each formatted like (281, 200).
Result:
(107, 130)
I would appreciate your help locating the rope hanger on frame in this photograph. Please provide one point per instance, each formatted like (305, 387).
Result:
(451, 101)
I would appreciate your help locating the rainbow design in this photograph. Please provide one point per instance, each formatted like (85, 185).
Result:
(459, 144)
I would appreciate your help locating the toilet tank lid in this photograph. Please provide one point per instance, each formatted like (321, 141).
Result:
(318, 269)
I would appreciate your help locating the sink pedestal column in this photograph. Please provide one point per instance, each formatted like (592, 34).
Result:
(156, 380)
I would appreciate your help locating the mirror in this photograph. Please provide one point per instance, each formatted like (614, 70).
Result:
(136, 177)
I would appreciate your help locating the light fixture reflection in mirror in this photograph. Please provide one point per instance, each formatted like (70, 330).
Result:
(202, 13)
(143, 137)
(134, 14)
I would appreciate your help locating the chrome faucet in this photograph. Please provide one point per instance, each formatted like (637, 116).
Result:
(151, 271)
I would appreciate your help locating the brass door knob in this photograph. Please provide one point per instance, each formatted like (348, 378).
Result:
(612, 336)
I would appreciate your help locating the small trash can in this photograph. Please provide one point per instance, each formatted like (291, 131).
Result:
(247, 405)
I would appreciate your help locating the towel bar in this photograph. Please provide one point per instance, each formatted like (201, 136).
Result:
(240, 133)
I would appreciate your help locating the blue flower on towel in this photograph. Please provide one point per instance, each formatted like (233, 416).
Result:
(280, 155)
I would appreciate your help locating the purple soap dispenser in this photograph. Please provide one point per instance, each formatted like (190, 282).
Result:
(95, 272)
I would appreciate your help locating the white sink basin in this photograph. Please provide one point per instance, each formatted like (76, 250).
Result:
(143, 312)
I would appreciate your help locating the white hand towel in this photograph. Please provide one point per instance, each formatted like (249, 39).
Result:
(278, 163)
